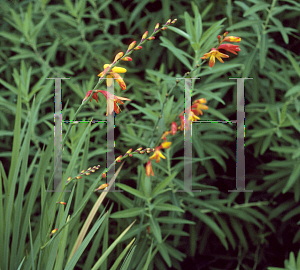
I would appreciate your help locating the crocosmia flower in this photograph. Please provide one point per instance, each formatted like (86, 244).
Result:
(115, 99)
(229, 47)
(149, 170)
(114, 74)
(157, 155)
(213, 54)
(166, 145)
(95, 96)
(198, 106)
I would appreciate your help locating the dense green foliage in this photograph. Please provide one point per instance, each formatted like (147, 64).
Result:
(212, 229)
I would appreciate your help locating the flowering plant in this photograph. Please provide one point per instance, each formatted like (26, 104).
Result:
(151, 223)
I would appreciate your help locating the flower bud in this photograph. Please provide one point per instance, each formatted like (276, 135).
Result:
(232, 39)
(150, 38)
(118, 56)
(138, 48)
(118, 158)
(156, 27)
(103, 186)
(168, 22)
(219, 38)
(53, 231)
(132, 44)
(173, 128)
(62, 203)
(174, 21)
(145, 35)
(126, 58)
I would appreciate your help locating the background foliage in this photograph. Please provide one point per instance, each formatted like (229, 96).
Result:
(213, 229)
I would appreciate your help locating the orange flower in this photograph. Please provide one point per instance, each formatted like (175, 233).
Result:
(198, 106)
(213, 54)
(157, 155)
(114, 74)
(165, 145)
(111, 99)
(229, 47)
(193, 117)
(163, 137)
(149, 170)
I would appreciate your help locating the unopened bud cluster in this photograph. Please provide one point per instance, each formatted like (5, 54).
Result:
(137, 151)
(144, 37)
(84, 172)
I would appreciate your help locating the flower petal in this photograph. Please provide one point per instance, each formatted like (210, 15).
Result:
(118, 70)
(119, 80)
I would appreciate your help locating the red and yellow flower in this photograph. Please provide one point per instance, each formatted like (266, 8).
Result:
(212, 55)
(157, 155)
(198, 106)
(215, 53)
(114, 74)
(149, 170)
(113, 101)
(229, 47)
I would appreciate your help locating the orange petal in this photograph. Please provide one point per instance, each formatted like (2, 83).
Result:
(119, 80)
